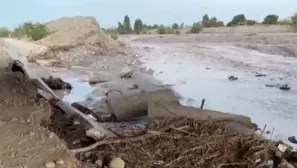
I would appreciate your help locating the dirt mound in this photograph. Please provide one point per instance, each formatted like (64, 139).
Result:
(70, 32)
(24, 142)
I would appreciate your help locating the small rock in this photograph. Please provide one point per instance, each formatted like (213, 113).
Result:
(98, 162)
(132, 86)
(126, 72)
(278, 154)
(233, 78)
(268, 164)
(255, 127)
(95, 134)
(289, 165)
(269, 85)
(284, 87)
(282, 147)
(88, 154)
(31, 133)
(292, 139)
(12, 154)
(116, 162)
(158, 162)
(60, 162)
(260, 75)
(285, 165)
(49, 164)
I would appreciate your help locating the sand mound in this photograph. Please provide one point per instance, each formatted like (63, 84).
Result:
(24, 142)
(68, 32)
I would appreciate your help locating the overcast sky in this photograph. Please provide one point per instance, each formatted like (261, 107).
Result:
(108, 12)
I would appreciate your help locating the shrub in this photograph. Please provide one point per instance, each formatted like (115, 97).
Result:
(169, 30)
(177, 32)
(196, 28)
(238, 20)
(138, 26)
(270, 19)
(4, 32)
(35, 31)
(294, 22)
(251, 22)
(175, 26)
(161, 29)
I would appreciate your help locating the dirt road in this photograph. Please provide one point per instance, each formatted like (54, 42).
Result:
(199, 66)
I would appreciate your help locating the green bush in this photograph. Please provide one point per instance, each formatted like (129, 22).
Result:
(34, 31)
(177, 32)
(161, 29)
(166, 30)
(250, 22)
(169, 30)
(196, 28)
(4, 32)
(294, 22)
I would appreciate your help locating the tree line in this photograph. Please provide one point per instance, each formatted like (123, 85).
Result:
(141, 28)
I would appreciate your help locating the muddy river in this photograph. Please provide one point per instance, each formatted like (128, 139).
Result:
(201, 71)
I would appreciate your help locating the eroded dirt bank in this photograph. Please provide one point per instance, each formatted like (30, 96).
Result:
(199, 67)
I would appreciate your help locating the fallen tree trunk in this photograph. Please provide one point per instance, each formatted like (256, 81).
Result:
(165, 109)
(136, 105)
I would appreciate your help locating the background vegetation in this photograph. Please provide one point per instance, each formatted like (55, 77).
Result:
(36, 31)
(33, 31)
(176, 28)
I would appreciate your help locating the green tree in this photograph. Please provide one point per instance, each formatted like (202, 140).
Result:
(127, 24)
(35, 31)
(182, 25)
(175, 26)
(4, 32)
(138, 26)
(196, 28)
(238, 19)
(161, 29)
(294, 19)
(270, 19)
(205, 18)
(120, 28)
(155, 26)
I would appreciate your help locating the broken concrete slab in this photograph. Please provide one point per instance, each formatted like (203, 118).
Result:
(167, 109)
(136, 105)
